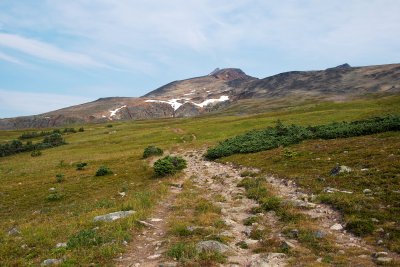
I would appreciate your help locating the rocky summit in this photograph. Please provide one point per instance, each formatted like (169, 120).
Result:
(219, 90)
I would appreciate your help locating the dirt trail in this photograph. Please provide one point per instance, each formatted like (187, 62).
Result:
(221, 180)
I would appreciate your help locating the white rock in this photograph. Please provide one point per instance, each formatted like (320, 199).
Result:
(153, 257)
(61, 245)
(336, 227)
(113, 216)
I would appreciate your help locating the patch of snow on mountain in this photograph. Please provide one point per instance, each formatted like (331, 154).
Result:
(114, 112)
(209, 101)
(173, 102)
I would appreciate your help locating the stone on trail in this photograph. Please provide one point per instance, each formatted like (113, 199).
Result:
(211, 245)
(269, 260)
(113, 216)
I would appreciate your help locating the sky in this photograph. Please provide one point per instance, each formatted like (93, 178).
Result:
(55, 54)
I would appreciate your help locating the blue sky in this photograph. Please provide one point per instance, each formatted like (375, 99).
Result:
(58, 53)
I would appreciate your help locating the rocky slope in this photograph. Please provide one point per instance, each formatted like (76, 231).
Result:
(219, 89)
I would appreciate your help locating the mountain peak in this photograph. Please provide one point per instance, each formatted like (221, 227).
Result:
(341, 67)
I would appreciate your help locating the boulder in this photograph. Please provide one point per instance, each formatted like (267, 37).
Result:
(211, 246)
(113, 216)
(340, 169)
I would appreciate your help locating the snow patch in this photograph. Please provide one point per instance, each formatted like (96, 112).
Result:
(175, 104)
(114, 112)
(209, 101)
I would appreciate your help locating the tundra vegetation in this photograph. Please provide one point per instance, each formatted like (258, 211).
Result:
(38, 206)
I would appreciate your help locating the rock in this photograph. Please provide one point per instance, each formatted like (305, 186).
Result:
(156, 220)
(333, 190)
(367, 191)
(14, 231)
(364, 169)
(211, 245)
(336, 227)
(384, 260)
(61, 245)
(379, 242)
(153, 257)
(294, 233)
(168, 264)
(340, 169)
(380, 254)
(50, 262)
(319, 234)
(268, 260)
(113, 216)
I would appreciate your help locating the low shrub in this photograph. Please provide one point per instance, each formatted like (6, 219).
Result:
(169, 165)
(54, 196)
(85, 238)
(271, 203)
(103, 170)
(59, 178)
(81, 166)
(181, 251)
(284, 135)
(152, 151)
(360, 227)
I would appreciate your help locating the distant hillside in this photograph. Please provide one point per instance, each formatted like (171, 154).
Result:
(221, 89)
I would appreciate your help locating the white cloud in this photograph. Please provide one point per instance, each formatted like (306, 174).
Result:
(22, 103)
(10, 59)
(46, 51)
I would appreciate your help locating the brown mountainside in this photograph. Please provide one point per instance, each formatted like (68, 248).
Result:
(220, 89)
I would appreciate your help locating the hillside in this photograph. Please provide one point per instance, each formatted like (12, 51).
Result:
(204, 202)
(222, 90)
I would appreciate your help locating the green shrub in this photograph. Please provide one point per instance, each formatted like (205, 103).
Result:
(59, 178)
(360, 227)
(284, 135)
(54, 196)
(169, 165)
(103, 170)
(36, 153)
(271, 203)
(81, 166)
(152, 151)
(84, 238)
(81, 129)
(109, 126)
(182, 251)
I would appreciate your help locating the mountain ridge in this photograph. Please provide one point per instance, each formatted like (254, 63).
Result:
(219, 89)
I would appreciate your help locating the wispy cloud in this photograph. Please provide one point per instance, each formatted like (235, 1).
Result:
(23, 103)
(10, 59)
(46, 51)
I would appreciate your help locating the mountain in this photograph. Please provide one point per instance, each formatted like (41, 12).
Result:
(220, 89)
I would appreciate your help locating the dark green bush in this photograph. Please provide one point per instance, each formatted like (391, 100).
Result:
(152, 151)
(169, 165)
(81, 129)
(284, 135)
(271, 203)
(59, 178)
(81, 166)
(103, 170)
(360, 227)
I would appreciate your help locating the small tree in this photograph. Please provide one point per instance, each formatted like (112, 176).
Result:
(152, 151)
(169, 165)
(103, 170)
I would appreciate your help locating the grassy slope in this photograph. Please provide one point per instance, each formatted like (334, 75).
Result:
(25, 181)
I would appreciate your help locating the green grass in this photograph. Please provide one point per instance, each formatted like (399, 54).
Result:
(25, 181)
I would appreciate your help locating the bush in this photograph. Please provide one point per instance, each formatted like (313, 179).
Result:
(81, 130)
(152, 151)
(169, 165)
(59, 178)
(103, 170)
(81, 166)
(182, 251)
(36, 153)
(53, 140)
(360, 227)
(271, 203)
(109, 126)
(54, 196)
(284, 135)
(84, 238)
